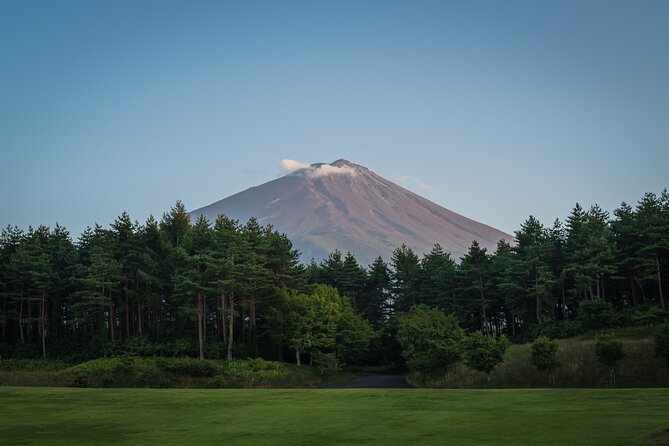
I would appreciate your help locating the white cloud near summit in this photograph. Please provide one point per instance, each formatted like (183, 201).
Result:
(315, 171)
(288, 166)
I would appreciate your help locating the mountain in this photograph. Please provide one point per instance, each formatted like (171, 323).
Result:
(348, 207)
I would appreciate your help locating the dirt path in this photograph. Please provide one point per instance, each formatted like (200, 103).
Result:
(374, 380)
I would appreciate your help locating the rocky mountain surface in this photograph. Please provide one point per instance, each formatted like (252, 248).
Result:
(346, 206)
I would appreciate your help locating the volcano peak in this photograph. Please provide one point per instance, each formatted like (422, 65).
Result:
(342, 205)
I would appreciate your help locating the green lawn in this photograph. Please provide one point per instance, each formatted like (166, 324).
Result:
(326, 417)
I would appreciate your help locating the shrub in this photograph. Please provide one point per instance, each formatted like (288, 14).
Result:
(650, 316)
(596, 314)
(544, 356)
(254, 369)
(31, 365)
(662, 342)
(189, 366)
(609, 351)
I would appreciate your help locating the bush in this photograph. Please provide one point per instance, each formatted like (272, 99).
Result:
(116, 372)
(189, 366)
(31, 365)
(561, 329)
(596, 314)
(254, 369)
(609, 351)
(650, 316)
(662, 342)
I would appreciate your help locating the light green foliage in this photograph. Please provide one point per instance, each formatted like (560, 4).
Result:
(322, 321)
(313, 319)
(430, 340)
(254, 368)
(484, 353)
(354, 335)
(553, 417)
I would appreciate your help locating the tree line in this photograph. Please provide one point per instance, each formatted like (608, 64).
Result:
(222, 289)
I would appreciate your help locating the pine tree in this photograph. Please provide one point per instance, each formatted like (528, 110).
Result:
(405, 276)
(473, 284)
(376, 299)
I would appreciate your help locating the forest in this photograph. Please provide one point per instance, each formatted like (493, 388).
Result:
(224, 290)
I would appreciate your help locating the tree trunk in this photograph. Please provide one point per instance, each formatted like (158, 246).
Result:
(223, 328)
(643, 292)
(659, 280)
(297, 357)
(112, 320)
(564, 302)
(21, 322)
(483, 316)
(231, 326)
(253, 329)
(140, 321)
(200, 335)
(43, 323)
(4, 319)
(634, 298)
(127, 311)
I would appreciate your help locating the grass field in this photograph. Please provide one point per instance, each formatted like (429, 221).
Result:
(332, 417)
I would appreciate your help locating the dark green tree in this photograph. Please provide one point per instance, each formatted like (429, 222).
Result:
(484, 353)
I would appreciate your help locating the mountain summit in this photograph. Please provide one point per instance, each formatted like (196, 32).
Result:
(346, 206)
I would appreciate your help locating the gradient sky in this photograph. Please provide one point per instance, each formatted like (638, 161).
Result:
(493, 109)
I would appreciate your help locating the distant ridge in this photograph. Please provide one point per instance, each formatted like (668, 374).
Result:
(346, 206)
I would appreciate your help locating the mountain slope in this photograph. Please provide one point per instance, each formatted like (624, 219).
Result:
(346, 206)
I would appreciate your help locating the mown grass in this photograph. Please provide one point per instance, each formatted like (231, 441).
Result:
(53, 416)
(580, 368)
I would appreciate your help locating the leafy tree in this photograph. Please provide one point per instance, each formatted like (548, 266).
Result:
(313, 320)
(544, 356)
(430, 340)
(354, 335)
(609, 351)
(484, 353)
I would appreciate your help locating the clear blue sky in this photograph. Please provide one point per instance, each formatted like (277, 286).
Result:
(499, 109)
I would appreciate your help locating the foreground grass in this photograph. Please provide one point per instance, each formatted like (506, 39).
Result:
(327, 417)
